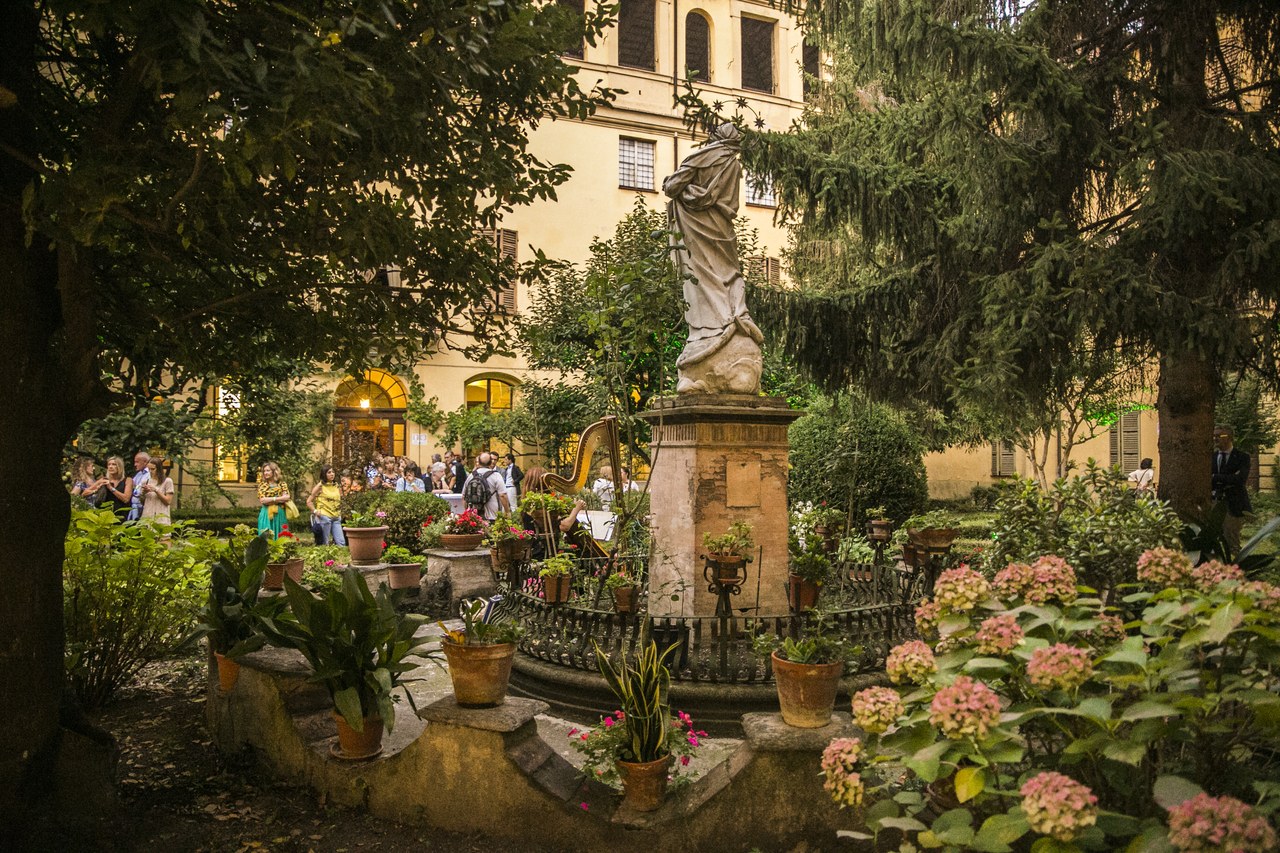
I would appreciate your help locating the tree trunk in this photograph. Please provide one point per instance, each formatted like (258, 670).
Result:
(1188, 392)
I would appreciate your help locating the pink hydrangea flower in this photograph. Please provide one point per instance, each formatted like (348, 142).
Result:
(911, 662)
(1059, 666)
(839, 763)
(959, 590)
(1110, 630)
(999, 635)
(965, 708)
(1013, 580)
(876, 708)
(1208, 575)
(1164, 567)
(1205, 824)
(927, 614)
(1052, 578)
(1266, 596)
(1058, 806)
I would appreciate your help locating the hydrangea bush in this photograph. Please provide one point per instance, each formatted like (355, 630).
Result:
(1034, 717)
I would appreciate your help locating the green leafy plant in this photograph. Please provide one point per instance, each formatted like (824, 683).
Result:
(429, 534)
(548, 502)
(232, 608)
(826, 516)
(876, 513)
(938, 519)
(484, 623)
(469, 521)
(370, 517)
(401, 556)
(283, 547)
(506, 526)
(641, 690)
(404, 513)
(809, 560)
(603, 744)
(619, 580)
(819, 640)
(557, 565)
(736, 542)
(855, 549)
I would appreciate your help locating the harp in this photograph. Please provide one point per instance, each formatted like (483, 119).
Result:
(601, 436)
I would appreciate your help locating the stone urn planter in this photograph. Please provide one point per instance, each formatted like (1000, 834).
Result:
(355, 746)
(479, 672)
(275, 574)
(461, 541)
(806, 691)
(644, 784)
(879, 529)
(365, 544)
(404, 575)
(726, 566)
(932, 537)
(802, 594)
(228, 672)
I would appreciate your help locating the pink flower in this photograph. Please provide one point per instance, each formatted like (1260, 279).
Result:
(573, 731)
(876, 708)
(1058, 806)
(1266, 596)
(911, 661)
(1204, 824)
(380, 514)
(999, 635)
(927, 617)
(839, 761)
(1060, 667)
(1013, 580)
(1110, 630)
(608, 722)
(584, 806)
(965, 708)
(693, 740)
(684, 761)
(1208, 575)
(1051, 578)
(1164, 567)
(329, 562)
(960, 589)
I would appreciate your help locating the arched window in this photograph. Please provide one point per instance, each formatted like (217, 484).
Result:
(495, 395)
(636, 25)
(368, 418)
(697, 47)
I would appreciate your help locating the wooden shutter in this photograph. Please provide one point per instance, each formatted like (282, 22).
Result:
(506, 242)
(810, 63)
(1002, 459)
(763, 269)
(757, 55)
(636, 34)
(1125, 441)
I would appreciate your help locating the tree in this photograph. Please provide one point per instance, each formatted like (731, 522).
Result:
(198, 189)
(996, 186)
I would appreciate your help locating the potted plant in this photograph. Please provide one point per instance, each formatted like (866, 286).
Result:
(624, 590)
(879, 527)
(810, 567)
(936, 529)
(284, 557)
(509, 542)
(555, 572)
(857, 556)
(359, 647)
(463, 532)
(546, 509)
(807, 669)
(480, 654)
(646, 743)
(230, 613)
(827, 521)
(404, 569)
(366, 535)
(728, 551)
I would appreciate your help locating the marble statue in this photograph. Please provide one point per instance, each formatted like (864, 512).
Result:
(723, 352)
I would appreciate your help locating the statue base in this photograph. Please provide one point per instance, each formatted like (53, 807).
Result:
(729, 367)
(718, 458)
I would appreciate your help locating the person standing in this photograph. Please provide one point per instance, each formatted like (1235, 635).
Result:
(486, 478)
(119, 495)
(157, 494)
(273, 495)
(603, 487)
(1142, 479)
(1230, 474)
(457, 469)
(84, 484)
(512, 479)
(326, 515)
(411, 481)
(140, 478)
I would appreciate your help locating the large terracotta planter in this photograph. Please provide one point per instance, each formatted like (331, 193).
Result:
(556, 588)
(624, 599)
(228, 672)
(510, 552)
(726, 566)
(461, 541)
(479, 673)
(273, 577)
(404, 575)
(879, 529)
(801, 594)
(365, 544)
(644, 784)
(806, 691)
(354, 745)
(829, 536)
(933, 537)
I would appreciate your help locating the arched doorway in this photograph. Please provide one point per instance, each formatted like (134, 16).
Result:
(368, 417)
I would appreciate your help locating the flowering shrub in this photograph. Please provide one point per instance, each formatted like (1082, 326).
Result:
(1208, 575)
(1164, 567)
(927, 617)
(469, 521)
(959, 590)
(605, 743)
(1145, 724)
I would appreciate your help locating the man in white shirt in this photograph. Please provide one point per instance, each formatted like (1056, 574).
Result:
(496, 488)
(140, 476)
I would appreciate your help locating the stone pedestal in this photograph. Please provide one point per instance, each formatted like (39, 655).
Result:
(718, 458)
(470, 573)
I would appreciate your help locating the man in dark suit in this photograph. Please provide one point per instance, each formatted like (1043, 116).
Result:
(1230, 473)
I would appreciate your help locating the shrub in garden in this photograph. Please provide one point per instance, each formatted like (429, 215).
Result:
(406, 512)
(129, 597)
(1038, 720)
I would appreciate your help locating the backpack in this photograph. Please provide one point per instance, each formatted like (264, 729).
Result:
(477, 491)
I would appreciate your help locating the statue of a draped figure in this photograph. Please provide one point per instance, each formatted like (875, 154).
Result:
(723, 352)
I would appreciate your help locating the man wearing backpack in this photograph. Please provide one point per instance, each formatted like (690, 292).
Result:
(484, 490)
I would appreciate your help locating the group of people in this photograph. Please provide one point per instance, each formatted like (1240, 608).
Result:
(146, 494)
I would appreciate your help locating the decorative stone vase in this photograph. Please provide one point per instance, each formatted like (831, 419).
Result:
(726, 566)
(228, 672)
(879, 529)
(556, 588)
(461, 541)
(353, 745)
(404, 575)
(644, 784)
(273, 577)
(365, 544)
(802, 594)
(624, 599)
(806, 691)
(908, 555)
(932, 537)
(479, 673)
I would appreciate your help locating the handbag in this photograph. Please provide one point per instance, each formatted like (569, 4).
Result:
(290, 510)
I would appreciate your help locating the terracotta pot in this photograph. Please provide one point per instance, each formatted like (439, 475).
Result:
(479, 673)
(830, 542)
(644, 784)
(933, 537)
(801, 594)
(556, 588)
(461, 541)
(624, 599)
(879, 529)
(404, 575)
(908, 554)
(275, 574)
(228, 672)
(354, 745)
(726, 566)
(365, 544)
(806, 691)
(510, 552)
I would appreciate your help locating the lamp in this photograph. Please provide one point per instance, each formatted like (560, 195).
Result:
(364, 403)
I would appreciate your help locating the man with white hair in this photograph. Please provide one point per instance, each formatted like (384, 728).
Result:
(484, 490)
(140, 476)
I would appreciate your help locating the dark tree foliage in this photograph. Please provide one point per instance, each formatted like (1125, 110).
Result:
(989, 188)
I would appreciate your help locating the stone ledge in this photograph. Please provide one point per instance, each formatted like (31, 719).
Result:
(740, 408)
(768, 733)
(505, 718)
(277, 661)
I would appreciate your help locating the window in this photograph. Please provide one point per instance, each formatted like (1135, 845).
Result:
(1002, 461)
(492, 395)
(697, 47)
(635, 164)
(763, 269)
(809, 62)
(506, 242)
(1126, 450)
(578, 8)
(757, 55)
(229, 462)
(760, 192)
(636, 34)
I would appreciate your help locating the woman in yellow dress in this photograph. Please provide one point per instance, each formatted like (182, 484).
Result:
(273, 495)
(326, 516)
